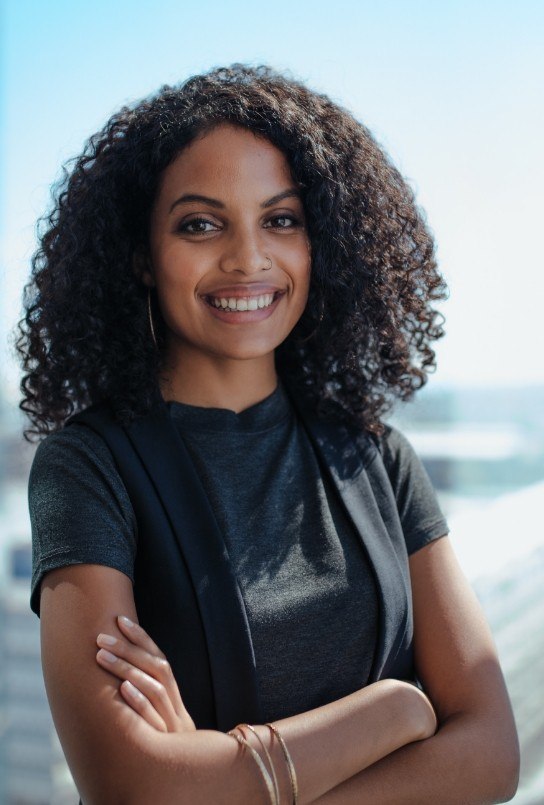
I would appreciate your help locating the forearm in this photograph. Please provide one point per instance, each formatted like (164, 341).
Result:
(332, 743)
(328, 745)
(467, 762)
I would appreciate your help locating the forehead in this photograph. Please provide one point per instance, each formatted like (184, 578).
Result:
(227, 157)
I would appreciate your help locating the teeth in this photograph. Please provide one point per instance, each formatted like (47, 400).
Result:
(243, 303)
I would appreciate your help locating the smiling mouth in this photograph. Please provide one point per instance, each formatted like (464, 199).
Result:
(242, 303)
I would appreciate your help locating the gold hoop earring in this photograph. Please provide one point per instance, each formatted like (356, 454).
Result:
(150, 319)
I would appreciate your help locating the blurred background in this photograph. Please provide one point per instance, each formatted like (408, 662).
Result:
(454, 92)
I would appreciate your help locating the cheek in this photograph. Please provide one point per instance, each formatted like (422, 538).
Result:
(301, 296)
(300, 262)
(170, 267)
(175, 286)
(306, 280)
(177, 279)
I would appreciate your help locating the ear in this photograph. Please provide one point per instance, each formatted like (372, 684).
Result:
(141, 265)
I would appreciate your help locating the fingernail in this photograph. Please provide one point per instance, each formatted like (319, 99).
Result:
(106, 640)
(125, 620)
(132, 690)
(107, 655)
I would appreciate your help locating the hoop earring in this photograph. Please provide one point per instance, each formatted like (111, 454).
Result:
(150, 319)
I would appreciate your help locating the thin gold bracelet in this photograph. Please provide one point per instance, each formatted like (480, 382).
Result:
(288, 760)
(258, 760)
(267, 753)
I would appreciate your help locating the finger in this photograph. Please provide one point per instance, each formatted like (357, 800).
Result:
(142, 705)
(156, 666)
(137, 635)
(154, 690)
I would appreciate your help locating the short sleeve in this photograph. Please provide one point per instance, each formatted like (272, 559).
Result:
(420, 514)
(80, 511)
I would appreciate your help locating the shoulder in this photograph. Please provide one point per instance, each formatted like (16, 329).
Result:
(79, 441)
(72, 467)
(390, 449)
(80, 511)
(419, 509)
(73, 446)
(393, 445)
(391, 436)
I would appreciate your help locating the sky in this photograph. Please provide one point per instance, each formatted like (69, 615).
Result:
(452, 90)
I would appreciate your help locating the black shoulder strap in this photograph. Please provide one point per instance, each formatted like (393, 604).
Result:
(352, 460)
(179, 526)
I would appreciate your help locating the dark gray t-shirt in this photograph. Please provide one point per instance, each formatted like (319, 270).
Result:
(309, 593)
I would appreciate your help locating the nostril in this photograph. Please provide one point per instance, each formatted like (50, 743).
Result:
(251, 265)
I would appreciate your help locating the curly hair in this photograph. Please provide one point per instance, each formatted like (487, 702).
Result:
(84, 337)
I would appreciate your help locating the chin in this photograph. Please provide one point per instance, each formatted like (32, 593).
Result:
(244, 345)
(249, 353)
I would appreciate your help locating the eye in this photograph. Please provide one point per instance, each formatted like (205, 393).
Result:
(197, 226)
(283, 222)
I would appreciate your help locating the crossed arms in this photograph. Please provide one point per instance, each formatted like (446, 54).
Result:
(378, 745)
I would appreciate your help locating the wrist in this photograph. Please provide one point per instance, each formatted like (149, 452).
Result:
(276, 755)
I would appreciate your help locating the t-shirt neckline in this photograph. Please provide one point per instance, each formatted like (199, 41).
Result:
(262, 415)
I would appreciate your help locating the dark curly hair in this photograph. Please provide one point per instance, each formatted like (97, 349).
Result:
(84, 337)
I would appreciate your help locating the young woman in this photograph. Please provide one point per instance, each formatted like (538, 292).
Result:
(233, 286)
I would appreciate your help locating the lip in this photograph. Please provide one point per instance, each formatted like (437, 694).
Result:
(242, 316)
(239, 291)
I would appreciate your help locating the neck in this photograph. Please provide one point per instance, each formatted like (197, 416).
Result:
(219, 383)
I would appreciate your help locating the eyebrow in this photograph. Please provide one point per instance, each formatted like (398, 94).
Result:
(188, 198)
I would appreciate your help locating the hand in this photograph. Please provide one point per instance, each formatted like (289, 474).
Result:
(148, 686)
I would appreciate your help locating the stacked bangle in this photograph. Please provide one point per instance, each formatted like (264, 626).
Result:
(271, 782)
(288, 760)
(260, 764)
(274, 778)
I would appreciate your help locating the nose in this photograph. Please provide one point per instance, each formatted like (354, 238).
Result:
(244, 253)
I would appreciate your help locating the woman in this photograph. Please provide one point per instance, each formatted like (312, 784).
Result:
(233, 286)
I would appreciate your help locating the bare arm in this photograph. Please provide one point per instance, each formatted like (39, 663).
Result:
(116, 757)
(474, 756)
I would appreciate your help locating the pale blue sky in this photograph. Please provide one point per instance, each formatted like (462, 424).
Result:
(453, 90)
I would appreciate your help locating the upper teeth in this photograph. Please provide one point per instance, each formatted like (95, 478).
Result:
(243, 302)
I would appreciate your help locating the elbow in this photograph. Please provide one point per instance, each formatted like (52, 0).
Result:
(507, 772)
(489, 757)
(507, 758)
(503, 766)
(507, 786)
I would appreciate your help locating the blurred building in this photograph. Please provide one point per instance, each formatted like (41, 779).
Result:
(501, 548)
(33, 770)
(477, 444)
(32, 766)
(484, 451)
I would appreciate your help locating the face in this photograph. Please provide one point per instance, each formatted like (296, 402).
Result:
(229, 251)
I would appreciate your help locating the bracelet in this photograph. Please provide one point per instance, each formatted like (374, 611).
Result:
(260, 764)
(288, 760)
(267, 753)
